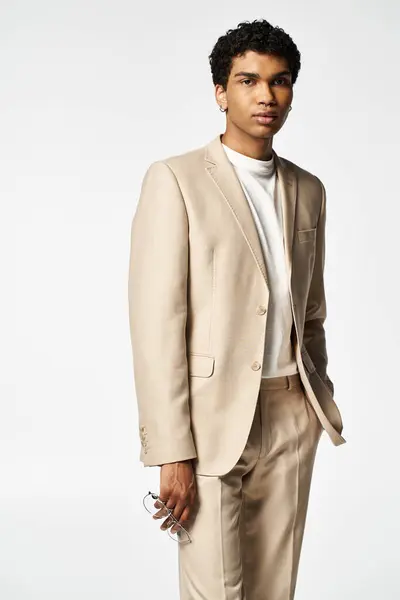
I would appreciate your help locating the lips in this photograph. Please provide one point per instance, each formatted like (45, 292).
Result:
(266, 114)
(265, 119)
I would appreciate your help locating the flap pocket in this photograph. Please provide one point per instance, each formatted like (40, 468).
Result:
(307, 235)
(200, 365)
(308, 363)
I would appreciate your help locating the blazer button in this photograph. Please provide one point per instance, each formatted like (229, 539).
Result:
(261, 310)
(256, 366)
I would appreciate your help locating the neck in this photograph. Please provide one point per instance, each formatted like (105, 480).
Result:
(259, 148)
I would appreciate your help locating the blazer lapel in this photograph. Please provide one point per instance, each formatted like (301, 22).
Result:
(226, 180)
(287, 182)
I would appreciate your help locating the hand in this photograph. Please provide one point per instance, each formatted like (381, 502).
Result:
(177, 491)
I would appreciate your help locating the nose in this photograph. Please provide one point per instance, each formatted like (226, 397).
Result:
(266, 95)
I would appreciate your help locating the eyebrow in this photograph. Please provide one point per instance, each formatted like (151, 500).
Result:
(257, 75)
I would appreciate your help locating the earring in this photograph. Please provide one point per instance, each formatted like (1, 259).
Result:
(221, 109)
(290, 108)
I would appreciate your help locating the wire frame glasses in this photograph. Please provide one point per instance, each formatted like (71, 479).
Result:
(158, 509)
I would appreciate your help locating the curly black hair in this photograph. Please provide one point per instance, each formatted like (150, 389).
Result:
(258, 35)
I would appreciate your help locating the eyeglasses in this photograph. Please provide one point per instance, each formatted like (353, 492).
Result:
(181, 535)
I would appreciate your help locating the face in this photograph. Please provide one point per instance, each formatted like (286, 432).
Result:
(257, 82)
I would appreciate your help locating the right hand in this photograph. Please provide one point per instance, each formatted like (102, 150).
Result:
(177, 491)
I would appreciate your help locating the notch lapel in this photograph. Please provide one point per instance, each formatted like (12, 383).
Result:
(287, 182)
(224, 176)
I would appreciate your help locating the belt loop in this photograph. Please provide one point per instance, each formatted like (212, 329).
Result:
(289, 382)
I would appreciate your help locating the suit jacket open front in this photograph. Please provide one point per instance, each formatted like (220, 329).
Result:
(197, 281)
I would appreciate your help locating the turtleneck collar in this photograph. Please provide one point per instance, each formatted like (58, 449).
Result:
(254, 165)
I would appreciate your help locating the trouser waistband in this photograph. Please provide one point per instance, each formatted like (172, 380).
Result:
(281, 382)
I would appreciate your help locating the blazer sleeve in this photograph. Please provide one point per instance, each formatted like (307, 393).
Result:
(157, 293)
(314, 333)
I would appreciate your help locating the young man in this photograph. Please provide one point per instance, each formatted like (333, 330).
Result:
(227, 311)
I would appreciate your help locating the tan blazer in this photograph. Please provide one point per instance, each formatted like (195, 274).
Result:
(198, 300)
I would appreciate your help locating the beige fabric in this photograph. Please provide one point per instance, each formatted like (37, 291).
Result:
(198, 302)
(259, 182)
(247, 526)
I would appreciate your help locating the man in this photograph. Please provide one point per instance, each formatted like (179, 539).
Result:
(227, 311)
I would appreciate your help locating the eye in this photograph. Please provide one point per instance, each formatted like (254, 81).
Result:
(282, 79)
(243, 80)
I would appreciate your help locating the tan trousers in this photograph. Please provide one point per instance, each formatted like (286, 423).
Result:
(247, 526)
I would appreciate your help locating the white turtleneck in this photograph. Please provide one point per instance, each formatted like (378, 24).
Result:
(258, 180)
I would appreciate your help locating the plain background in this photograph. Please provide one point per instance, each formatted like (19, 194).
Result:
(90, 94)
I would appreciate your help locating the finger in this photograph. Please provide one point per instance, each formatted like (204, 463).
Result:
(163, 512)
(182, 520)
(185, 515)
(162, 503)
(179, 508)
(163, 497)
(167, 523)
(175, 516)
(170, 504)
(176, 527)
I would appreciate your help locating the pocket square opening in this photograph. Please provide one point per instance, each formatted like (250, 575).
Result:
(306, 235)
